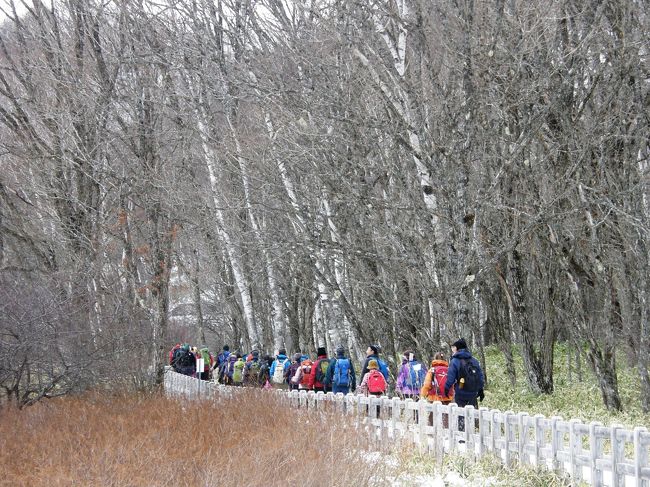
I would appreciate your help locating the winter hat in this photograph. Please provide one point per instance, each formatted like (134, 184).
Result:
(375, 349)
(297, 356)
(255, 353)
(340, 351)
(459, 344)
(226, 348)
(282, 351)
(372, 364)
(321, 351)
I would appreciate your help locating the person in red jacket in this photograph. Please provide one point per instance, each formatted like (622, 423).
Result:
(319, 370)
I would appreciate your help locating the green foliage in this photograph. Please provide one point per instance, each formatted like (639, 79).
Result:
(570, 399)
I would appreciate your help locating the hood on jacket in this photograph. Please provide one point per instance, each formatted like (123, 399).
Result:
(436, 363)
(281, 357)
(463, 353)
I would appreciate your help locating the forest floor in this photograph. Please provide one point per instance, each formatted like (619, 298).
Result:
(572, 398)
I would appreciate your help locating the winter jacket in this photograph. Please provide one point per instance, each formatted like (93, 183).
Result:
(329, 377)
(453, 376)
(410, 378)
(429, 390)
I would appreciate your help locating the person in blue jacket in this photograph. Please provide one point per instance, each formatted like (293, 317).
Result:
(340, 374)
(372, 353)
(279, 377)
(466, 377)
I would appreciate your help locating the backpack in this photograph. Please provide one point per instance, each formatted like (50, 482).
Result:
(172, 353)
(238, 373)
(471, 374)
(342, 372)
(415, 378)
(438, 379)
(321, 370)
(253, 369)
(383, 368)
(278, 373)
(293, 368)
(186, 358)
(376, 382)
(205, 355)
(306, 374)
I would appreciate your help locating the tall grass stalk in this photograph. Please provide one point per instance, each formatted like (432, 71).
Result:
(152, 440)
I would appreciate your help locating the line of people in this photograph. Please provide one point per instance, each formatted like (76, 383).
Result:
(460, 380)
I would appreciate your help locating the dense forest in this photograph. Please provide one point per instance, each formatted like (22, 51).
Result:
(279, 173)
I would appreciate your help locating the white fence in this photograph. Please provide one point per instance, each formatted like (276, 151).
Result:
(593, 453)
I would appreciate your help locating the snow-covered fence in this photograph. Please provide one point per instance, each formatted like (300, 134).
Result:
(599, 455)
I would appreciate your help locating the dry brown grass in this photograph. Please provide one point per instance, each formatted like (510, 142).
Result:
(152, 440)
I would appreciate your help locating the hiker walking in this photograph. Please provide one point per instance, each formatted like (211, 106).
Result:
(227, 370)
(372, 353)
(238, 371)
(185, 361)
(279, 369)
(410, 377)
(293, 369)
(373, 383)
(434, 385)
(208, 363)
(340, 374)
(466, 377)
(252, 369)
(319, 370)
(264, 375)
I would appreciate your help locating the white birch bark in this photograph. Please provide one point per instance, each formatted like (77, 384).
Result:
(211, 160)
(279, 321)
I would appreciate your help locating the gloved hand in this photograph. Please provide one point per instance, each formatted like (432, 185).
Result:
(481, 395)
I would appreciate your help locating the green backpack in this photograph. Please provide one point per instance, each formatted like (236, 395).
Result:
(238, 374)
(205, 355)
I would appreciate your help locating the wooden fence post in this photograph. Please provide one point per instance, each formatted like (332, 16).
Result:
(470, 427)
(453, 426)
(495, 430)
(423, 421)
(507, 437)
(618, 454)
(575, 447)
(522, 424)
(439, 433)
(482, 426)
(555, 444)
(595, 453)
(540, 440)
(640, 457)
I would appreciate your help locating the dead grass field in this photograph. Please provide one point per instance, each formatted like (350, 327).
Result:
(152, 440)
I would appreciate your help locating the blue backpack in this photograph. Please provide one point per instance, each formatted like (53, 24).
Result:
(342, 372)
(383, 368)
(416, 379)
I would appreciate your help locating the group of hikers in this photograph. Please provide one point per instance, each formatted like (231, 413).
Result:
(460, 380)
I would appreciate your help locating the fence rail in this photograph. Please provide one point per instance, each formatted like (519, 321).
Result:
(591, 452)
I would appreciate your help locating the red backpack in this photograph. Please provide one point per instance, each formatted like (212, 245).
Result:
(306, 381)
(376, 382)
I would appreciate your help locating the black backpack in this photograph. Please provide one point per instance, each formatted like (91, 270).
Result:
(187, 359)
(470, 371)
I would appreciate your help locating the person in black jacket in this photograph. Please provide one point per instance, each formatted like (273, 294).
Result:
(466, 377)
